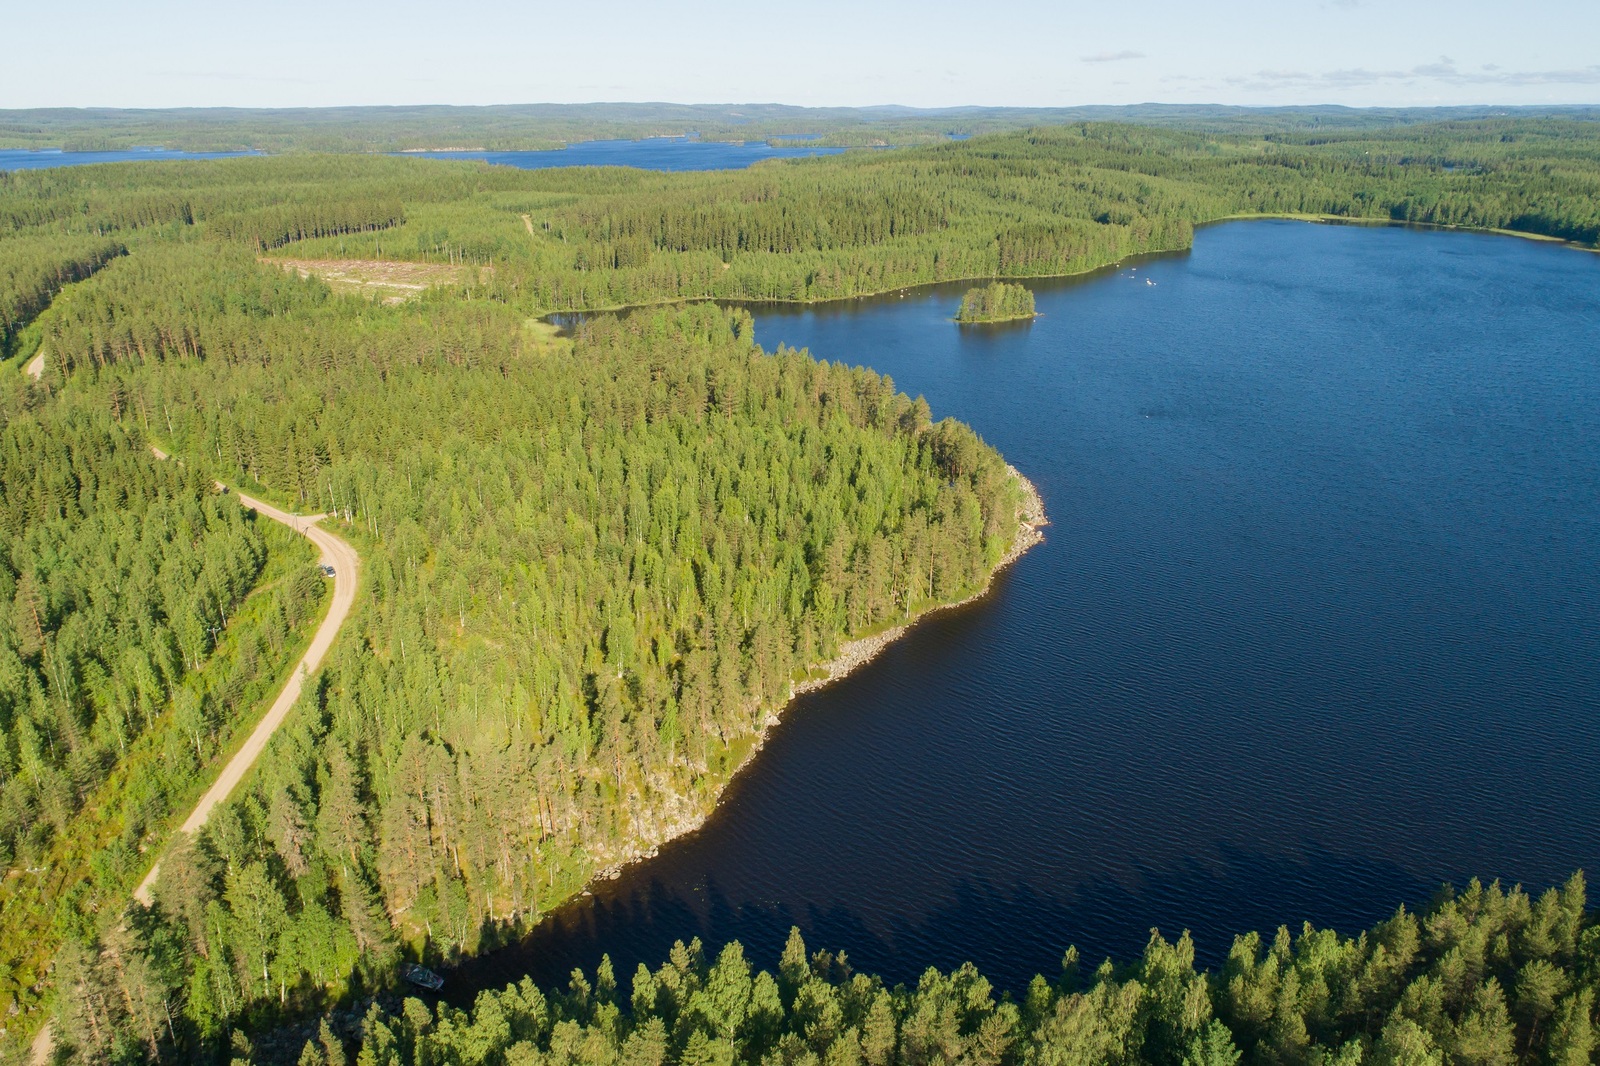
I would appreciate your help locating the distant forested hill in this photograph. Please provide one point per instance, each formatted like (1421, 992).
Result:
(535, 126)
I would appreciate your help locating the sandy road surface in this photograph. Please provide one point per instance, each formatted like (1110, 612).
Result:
(335, 553)
(344, 560)
(35, 367)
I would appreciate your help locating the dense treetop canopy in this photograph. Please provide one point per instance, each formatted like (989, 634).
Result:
(593, 565)
(998, 301)
(1486, 976)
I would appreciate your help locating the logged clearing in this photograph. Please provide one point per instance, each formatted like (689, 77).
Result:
(393, 281)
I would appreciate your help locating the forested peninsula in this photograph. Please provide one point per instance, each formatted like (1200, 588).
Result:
(593, 564)
(580, 606)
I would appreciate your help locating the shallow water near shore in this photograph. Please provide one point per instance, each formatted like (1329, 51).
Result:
(1314, 628)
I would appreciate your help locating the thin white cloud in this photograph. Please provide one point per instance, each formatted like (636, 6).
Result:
(1445, 68)
(1112, 57)
(1444, 71)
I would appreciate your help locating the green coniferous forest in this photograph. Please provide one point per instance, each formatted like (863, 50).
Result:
(144, 616)
(1486, 976)
(998, 301)
(592, 566)
(34, 268)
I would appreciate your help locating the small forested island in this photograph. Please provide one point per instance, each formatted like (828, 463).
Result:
(593, 566)
(998, 301)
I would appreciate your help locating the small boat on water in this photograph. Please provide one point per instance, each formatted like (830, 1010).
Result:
(421, 976)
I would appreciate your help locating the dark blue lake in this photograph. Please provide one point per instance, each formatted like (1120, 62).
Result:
(653, 153)
(40, 158)
(1316, 626)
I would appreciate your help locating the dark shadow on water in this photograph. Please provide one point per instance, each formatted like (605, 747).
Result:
(1010, 931)
(980, 329)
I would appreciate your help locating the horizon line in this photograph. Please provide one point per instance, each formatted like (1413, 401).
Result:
(814, 107)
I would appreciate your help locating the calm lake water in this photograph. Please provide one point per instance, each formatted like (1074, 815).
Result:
(1316, 626)
(654, 153)
(38, 159)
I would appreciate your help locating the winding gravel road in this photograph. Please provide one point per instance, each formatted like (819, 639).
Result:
(345, 562)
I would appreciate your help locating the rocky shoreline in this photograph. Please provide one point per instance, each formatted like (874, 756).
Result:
(852, 655)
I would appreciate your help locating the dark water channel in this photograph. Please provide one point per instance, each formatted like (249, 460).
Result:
(1316, 627)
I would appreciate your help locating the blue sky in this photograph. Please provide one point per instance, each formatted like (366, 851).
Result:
(164, 53)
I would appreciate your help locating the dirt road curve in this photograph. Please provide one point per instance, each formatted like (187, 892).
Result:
(35, 367)
(344, 560)
(335, 553)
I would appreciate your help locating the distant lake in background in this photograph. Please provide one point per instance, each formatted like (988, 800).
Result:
(1315, 626)
(41, 158)
(652, 153)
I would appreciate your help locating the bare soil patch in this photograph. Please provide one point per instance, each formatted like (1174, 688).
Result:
(391, 280)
